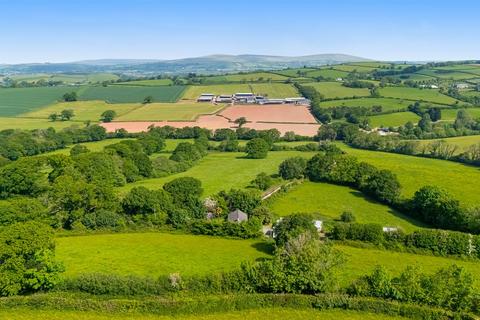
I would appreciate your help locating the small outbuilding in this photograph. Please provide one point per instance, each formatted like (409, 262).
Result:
(390, 229)
(237, 216)
(318, 225)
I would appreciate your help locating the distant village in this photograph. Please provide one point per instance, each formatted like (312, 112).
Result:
(250, 98)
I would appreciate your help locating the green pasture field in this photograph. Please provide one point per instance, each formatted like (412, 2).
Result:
(363, 260)
(278, 313)
(471, 93)
(294, 73)
(67, 77)
(475, 81)
(169, 111)
(378, 65)
(447, 74)
(15, 101)
(131, 94)
(224, 170)
(30, 124)
(327, 73)
(430, 95)
(388, 104)
(415, 172)
(193, 92)
(155, 254)
(84, 110)
(414, 77)
(463, 143)
(351, 68)
(274, 90)
(460, 67)
(146, 83)
(245, 77)
(451, 114)
(393, 119)
(328, 200)
(335, 90)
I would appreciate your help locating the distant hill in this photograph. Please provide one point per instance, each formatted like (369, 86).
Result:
(208, 64)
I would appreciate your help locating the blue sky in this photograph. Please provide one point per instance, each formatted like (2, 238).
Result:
(60, 31)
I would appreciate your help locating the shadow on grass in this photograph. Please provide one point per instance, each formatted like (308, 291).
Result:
(265, 247)
(392, 211)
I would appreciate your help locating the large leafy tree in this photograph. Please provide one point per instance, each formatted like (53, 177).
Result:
(257, 148)
(292, 226)
(293, 168)
(27, 261)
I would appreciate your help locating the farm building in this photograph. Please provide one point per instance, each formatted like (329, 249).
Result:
(244, 97)
(206, 97)
(224, 98)
(237, 216)
(296, 101)
(462, 86)
(271, 101)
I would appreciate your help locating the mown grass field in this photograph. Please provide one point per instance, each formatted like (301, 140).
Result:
(451, 114)
(388, 104)
(393, 119)
(222, 171)
(154, 254)
(361, 261)
(193, 92)
(335, 90)
(430, 95)
(274, 90)
(169, 111)
(131, 94)
(84, 110)
(146, 83)
(30, 124)
(328, 200)
(15, 101)
(415, 172)
(252, 314)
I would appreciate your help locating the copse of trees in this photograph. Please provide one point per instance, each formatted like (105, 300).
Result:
(439, 149)
(450, 288)
(108, 116)
(433, 241)
(19, 143)
(438, 208)
(70, 96)
(292, 168)
(303, 265)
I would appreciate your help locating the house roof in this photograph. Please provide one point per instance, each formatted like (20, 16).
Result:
(237, 214)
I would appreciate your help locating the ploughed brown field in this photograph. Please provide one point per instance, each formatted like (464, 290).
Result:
(281, 117)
